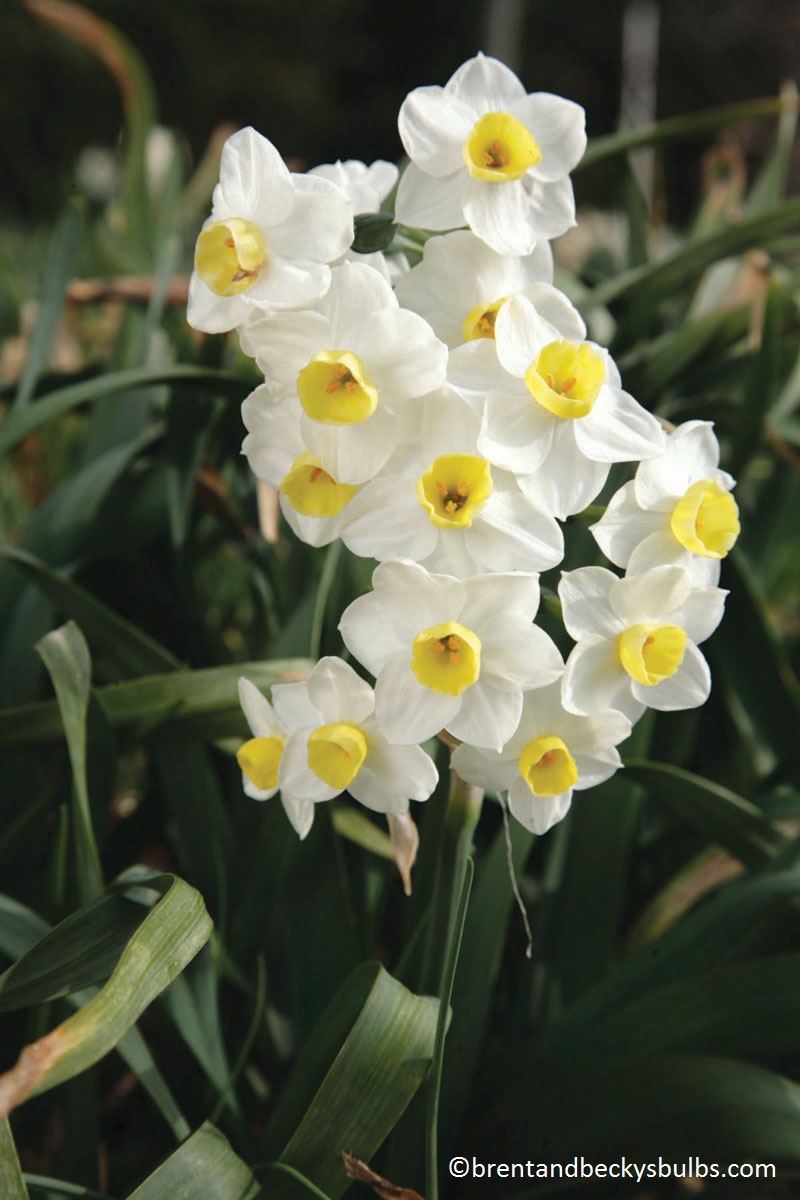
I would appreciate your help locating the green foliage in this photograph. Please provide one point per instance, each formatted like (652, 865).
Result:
(661, 996)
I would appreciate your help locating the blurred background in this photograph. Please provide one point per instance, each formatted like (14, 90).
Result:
(324, 79)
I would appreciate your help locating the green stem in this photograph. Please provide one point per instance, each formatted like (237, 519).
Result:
(463, 810)
(435, 1082)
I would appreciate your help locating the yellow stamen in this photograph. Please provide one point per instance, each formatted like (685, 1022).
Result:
(447, 658)
(565, 378)
(706, 519)
(651, 653)
(259, 759)
(500, 148)
(547, 766)
(312, 491)
(333, 389)
(454, 489)
(230, 255)
(336, 753)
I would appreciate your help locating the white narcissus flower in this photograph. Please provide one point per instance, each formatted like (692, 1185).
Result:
(448, 653)
(637, 640)
(339, 747)
(269, 240)
(551, 753)
(353, 370)
(485, 154)
(461, 284)
(442, 504)
(260, 757)
(677, 510)
(366, 187)
(313, 502)
(557, 416)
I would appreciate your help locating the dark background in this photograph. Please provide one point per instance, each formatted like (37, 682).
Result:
(323, 79)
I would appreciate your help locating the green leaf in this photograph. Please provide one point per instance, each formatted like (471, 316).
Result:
(354, 824)
(677, 128)
(190, 703)
(61, 259)
(353, 1080)
(21, 424)
(12, 1185)
(670, 274)
(760, 685)
(374, 231)
(770, 187)
(725, 818)
(66, 656)
(192, 1001)
(118, 640)
(760, 385)
(204, 1168)
(167, 939)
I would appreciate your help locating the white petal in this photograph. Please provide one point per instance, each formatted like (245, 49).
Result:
(368, 633)
(593, 735)
(484, 768)
(393, 775)
(250, 789)
(425, 202)
(300, 814)
(585, 598)
(320, 224)
(520, 333)
(596, 768)
(475, 367)
(413, 598)
(314, 531)
(559, 127)
(355, 292)
(557, 310)
(388, 521)
(338, 693)
(566, 481)
(624, 525)
(516, 654)
(211, 313)
(288, 284)
(254, 181)
(552, 206)
(433, 128)
(516, 433)
(537, 813)
(485, 84)
(503, 215)
(283, 343)
(701, 612)
(293, 706)
(296, 778)
(618, 429)
(689, 687)
(405, 356)
(405, 710)
(512, 534)
(661, 549)
(352, 453)
(691, 453)
(487, 717)
(258, 711)
(651, 597)
(488, 595)
(594, 679)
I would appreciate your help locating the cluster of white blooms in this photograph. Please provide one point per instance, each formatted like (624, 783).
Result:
(444, 418)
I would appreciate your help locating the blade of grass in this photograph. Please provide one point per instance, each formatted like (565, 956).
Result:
(12, 1184)
(205, 1167)
(66, 656)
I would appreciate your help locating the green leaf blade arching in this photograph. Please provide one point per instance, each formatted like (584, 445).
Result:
(205, 1167)
(354, 1079)
(12, 1185)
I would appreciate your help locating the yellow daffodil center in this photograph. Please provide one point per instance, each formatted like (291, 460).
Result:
(565, 378)
(547, 766)
(259, 759)
(447, 658)
(706, 519)
(334, 389)
(479, 322)
(312, 492)
(336, 753)
(454, 489)
(651, 653)
(499, 148)
(230, 255)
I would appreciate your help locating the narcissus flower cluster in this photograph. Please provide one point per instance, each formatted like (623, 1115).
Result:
(441, 410)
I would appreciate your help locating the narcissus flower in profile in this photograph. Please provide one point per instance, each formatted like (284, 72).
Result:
(485, 154)
(338, 746)
(637, 640)
(677, 510)
(269, 240)
(440, 502)
(260, 756)
(557, 416)
(349, 371)
(449, 653)
(551, 754)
